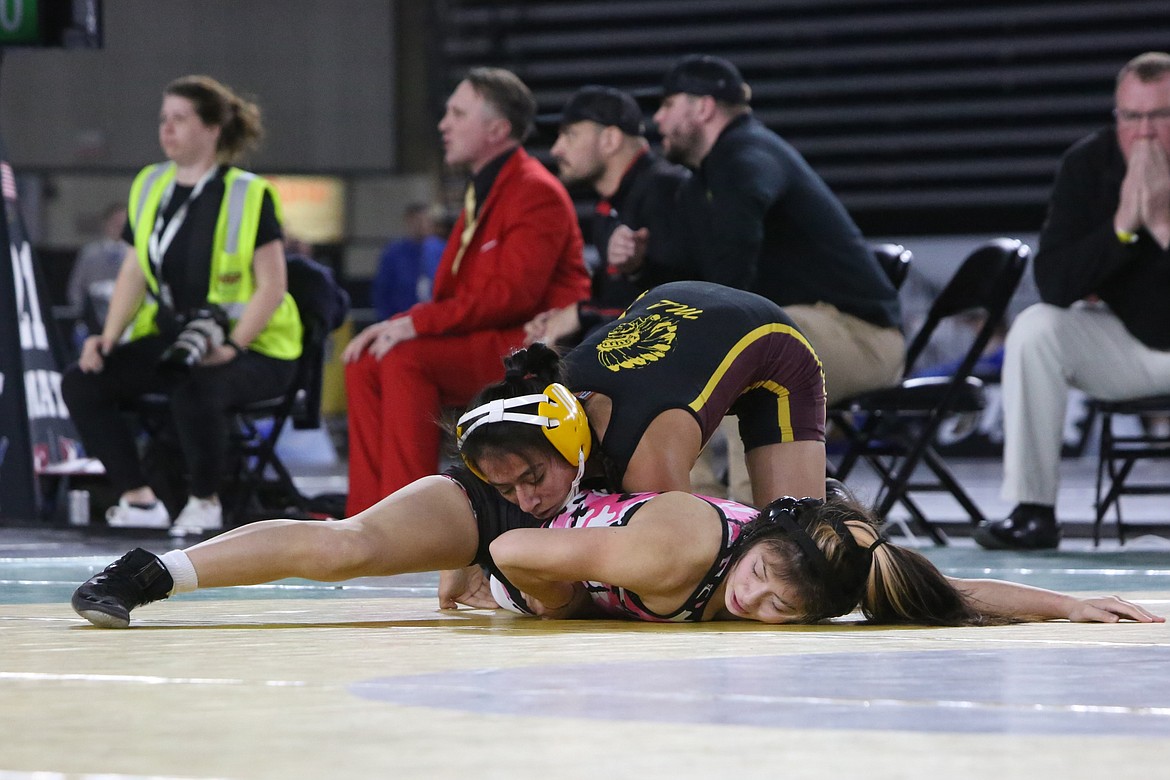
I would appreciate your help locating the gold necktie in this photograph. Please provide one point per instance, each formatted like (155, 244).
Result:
(469, 222)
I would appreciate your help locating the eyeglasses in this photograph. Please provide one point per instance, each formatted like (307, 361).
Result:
(1135, 117)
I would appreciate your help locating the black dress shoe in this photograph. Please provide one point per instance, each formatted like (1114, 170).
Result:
(1028, 527)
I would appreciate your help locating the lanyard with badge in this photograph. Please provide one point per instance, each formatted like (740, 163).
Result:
(163, 235)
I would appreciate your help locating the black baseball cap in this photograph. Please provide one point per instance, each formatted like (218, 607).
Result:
(605, 106)
(703, 74)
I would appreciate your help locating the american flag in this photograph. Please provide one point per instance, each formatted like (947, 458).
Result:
(7, 181)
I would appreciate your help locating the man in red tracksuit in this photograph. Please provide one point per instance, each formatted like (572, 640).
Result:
(514, 252)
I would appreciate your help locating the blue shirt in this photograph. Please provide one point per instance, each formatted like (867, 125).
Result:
(406, 271)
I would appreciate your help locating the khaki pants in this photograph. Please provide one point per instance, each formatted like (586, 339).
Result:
(1049, 350)
(856, 355)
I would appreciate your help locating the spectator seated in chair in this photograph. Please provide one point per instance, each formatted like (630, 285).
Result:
(203, 291)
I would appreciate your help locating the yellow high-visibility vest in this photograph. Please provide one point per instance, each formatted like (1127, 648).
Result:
(232, 282)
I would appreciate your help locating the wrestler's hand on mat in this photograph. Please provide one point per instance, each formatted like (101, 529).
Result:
(468, 586)
(1110, 609)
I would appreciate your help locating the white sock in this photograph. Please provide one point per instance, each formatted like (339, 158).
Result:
(181, 571)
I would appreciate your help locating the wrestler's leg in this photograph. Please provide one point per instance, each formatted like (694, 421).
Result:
(795, 468)
(427, 525)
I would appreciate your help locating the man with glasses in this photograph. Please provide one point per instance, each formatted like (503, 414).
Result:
(1103, 271)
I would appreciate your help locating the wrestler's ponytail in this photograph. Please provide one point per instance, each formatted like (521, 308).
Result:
(836, 561)
(527, 368)
(904, 587)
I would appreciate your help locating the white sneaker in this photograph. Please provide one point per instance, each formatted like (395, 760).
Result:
(198, 516)
(126, 515)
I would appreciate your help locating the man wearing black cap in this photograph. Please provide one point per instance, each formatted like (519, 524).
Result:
(602, 144)
(757, 217)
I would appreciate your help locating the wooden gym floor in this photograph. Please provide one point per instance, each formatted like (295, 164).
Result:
(370, 679)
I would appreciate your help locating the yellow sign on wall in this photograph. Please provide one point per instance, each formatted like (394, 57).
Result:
(314, 207)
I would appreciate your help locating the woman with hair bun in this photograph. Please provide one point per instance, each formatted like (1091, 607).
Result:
(203, 294)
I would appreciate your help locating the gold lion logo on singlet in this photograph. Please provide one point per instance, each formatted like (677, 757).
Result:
(637, 342)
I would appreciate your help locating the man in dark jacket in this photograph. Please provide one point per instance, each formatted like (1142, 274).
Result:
(1103, 272)
(756, 216)
(602, 144)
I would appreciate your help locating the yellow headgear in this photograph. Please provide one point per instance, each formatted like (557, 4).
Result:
(558, 413)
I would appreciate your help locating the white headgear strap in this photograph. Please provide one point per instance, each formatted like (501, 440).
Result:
(575, 488)
(497, 411)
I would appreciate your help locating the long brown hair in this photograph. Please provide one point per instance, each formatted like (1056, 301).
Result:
(835, 558)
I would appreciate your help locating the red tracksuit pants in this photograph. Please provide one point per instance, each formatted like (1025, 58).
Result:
(394, 406)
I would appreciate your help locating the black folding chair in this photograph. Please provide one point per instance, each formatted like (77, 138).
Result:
(256, 477)
(1119, 453)
(323, 306)
(893, 429)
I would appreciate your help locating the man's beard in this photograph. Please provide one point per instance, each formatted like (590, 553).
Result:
(684, 147)
(588, 178)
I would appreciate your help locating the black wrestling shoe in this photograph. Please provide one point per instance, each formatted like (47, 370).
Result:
(1028, 527)
(137, 578)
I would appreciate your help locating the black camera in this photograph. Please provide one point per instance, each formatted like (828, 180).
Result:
(203, 330)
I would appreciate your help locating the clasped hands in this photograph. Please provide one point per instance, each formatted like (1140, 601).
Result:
(1145, 192)
(626, 250)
